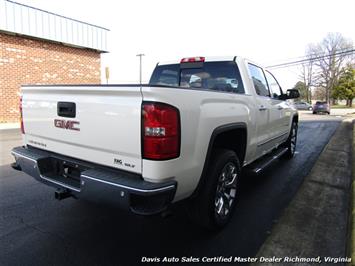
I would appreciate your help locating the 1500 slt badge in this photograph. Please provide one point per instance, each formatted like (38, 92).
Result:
(67, 124)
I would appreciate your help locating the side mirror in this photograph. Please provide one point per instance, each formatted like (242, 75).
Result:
(292, 94)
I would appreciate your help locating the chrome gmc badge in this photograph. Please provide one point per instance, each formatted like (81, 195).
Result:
(67, 124)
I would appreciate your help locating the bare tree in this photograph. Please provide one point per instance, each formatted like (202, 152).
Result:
(319, 93)
(329, 60)
(307, 73)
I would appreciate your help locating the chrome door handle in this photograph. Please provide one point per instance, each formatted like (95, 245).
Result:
(262, 108)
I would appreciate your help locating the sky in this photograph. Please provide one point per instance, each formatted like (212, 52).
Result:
(267, 32)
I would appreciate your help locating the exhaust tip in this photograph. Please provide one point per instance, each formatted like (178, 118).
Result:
(16, 166)
(61, 194)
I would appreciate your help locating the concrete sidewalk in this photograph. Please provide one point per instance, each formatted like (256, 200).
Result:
(316, 221)
(6, 126)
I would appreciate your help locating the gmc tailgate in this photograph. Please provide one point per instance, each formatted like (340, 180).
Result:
(98, 124)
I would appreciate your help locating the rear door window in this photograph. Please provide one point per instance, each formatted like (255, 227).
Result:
(217, 76)
(258, 77)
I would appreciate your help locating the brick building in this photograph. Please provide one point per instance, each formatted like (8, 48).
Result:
(39, 47)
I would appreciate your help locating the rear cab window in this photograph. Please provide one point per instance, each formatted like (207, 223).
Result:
(217, 76)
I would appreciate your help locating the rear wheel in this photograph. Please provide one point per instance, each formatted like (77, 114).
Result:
(292, 140)
(214, 205)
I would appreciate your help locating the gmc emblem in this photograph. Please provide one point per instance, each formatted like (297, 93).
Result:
(66, 124)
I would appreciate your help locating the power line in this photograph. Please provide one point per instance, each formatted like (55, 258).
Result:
(310, 59)
(305, 57)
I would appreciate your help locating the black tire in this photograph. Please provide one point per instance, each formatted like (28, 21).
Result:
(208, 209)
(291, 142)
(314, 113)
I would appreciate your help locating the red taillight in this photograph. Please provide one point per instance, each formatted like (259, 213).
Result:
(21, 116)
(193, 59)
(161, 131)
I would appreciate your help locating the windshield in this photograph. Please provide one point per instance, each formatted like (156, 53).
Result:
(218, 76)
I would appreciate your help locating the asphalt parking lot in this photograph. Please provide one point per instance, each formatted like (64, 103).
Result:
(36, 229)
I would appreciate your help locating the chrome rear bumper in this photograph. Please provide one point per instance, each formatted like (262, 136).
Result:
(94, 182)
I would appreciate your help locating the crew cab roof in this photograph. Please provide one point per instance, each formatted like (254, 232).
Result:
(214, 59)
(207, 59)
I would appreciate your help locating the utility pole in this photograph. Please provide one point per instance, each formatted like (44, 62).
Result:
(140, 67)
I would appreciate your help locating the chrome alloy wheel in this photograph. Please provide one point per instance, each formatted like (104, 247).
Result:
(293, 138)
(226, 190)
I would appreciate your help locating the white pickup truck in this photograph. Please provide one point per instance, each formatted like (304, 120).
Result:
(185, 135)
